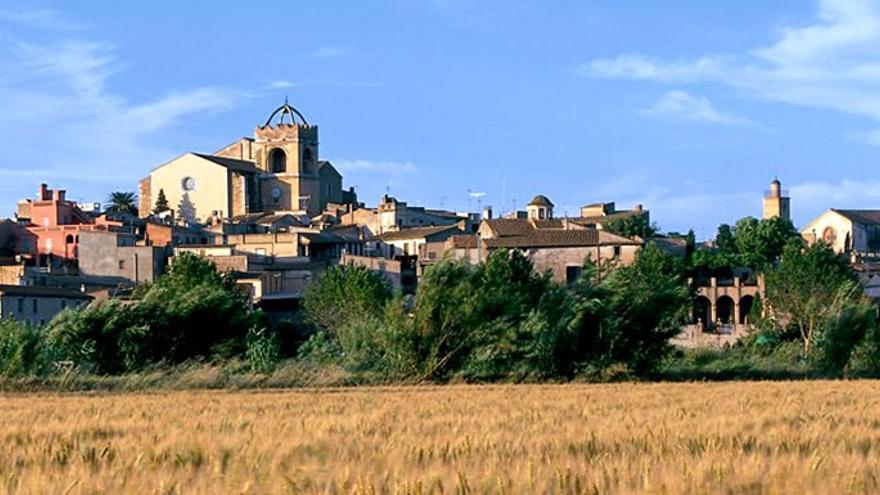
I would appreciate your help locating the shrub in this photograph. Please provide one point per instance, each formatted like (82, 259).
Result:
(262, 350)
(22, 350)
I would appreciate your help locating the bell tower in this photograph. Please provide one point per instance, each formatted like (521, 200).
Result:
(776, 202)
(286, 151)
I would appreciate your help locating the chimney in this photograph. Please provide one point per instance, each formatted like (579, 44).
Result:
(58, 195)
(639, 208)
(487, 213)
(43, 193)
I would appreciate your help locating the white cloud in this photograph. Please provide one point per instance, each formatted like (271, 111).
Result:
(330, 51)
(65, 84)
(41, 19)
(375, 166)
(280, 84)
(844, 194)
(832, 64)
(680, 105)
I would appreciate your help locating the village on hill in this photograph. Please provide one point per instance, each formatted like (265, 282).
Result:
(273, 215)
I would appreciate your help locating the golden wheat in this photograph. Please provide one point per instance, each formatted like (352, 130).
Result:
(785, 437)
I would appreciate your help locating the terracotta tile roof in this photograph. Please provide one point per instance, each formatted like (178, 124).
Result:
(463, 241)
(507, 227)
(414, 233)
(561, 238)
(540, 200)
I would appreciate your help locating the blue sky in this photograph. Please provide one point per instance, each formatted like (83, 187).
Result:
(690, 108)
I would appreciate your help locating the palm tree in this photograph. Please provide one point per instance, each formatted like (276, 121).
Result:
(122, 202)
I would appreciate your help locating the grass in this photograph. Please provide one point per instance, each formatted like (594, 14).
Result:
(730, 438)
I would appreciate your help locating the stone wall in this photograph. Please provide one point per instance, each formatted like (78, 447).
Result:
(558, 259)
(390, 269)
(145, 197)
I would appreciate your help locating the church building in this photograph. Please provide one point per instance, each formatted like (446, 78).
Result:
(278, 170)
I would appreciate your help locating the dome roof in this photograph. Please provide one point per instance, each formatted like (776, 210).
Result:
(286, 111)
(540, 200)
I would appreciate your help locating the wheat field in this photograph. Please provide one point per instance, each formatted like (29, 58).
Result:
(783, 437)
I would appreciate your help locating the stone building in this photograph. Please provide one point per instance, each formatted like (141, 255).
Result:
(853, 232)
(555, 245)
(115, 258)
(721, 309)
(55, 224)
(37, 305)
(279, 169)
(392, 215)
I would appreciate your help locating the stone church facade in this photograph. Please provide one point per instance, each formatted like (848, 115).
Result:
(279, 169)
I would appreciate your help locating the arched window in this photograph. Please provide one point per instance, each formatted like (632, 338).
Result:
(69, 239)
(307, 155)
(278, 161)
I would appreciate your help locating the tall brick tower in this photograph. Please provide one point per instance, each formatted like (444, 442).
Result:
(776, 202)
(286, 150)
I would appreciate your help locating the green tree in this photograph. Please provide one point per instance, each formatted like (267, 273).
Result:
(191, 312)
(809, 287)
(761, 242)
(23, 351)
(121, 202)
(642, 306)
(632, 226)
(161, 203)
(344, 294)
(724, 240)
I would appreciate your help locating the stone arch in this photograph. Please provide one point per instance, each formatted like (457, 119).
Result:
(277, 161)
(724, 309)
(702, 311)
(745, 307)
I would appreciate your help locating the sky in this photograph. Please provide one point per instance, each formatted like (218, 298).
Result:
(690, 108)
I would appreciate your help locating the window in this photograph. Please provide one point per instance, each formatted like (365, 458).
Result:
(541, 214)
(122, 264)
(35, 305)
(20, 305)
(278, 161)
(616, 251)
(63, 303)
(572, 273)
(68, 239)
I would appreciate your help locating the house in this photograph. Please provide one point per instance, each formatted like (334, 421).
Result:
(114, 258)
(55, 224)
(553, 245)
(411, 241)
(37, 305)
(392, 215)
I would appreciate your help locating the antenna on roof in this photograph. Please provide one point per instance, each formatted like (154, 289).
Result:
(479, 198)
(503, 195)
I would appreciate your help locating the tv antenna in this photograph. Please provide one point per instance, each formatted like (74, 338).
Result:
(475, 195)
